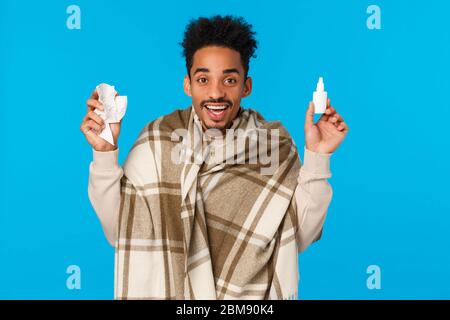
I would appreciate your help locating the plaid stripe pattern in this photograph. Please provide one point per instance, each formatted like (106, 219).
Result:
(209, 226)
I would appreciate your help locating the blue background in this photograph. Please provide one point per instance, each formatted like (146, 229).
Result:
(390, 176)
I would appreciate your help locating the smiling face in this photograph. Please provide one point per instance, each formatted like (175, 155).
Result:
(217, 84)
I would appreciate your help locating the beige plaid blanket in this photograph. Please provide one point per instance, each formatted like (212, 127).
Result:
(203, 217)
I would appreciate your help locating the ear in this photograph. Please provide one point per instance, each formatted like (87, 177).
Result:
(247, 87)
(187, 86)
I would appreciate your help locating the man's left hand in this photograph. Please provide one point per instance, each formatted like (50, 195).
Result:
(327, 134)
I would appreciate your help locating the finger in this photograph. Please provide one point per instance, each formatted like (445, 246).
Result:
(335, 118)
(94, 104)
(91, 136)
(326, 115)
(85, 127)
(339, 117)
(309, 119)
(328, 104)
(343, 127)
(332, 117)
(90, 124)
(330, 110)
(95, 117)
(338, 126)
(94, 95)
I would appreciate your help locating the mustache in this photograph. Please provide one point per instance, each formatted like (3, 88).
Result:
(224, 101)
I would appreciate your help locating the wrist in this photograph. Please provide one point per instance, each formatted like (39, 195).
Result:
(106, 160)
(318, 150)
(316, 162)
(106, 148)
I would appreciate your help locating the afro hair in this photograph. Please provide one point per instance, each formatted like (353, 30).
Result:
(223, 31)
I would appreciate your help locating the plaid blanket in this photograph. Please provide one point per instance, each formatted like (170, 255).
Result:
(203, 217)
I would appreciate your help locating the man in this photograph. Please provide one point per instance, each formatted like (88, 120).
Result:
(214, 224)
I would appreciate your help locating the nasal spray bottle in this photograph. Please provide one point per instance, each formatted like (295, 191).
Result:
(320, 97)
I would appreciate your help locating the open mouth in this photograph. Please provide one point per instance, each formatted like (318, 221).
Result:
(216, 112)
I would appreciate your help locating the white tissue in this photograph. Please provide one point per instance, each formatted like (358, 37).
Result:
(115, 107)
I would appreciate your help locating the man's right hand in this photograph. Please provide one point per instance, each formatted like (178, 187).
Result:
(92, 125)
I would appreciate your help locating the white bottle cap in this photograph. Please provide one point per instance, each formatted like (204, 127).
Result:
(320, 87)
(320, 97)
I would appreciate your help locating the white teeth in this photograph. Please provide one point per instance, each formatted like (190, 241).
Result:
(216, 107)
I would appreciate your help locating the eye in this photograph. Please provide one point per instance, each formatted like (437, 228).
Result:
(202, 80)
(230, 81)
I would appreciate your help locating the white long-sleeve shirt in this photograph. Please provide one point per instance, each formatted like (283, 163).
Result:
(313, 194)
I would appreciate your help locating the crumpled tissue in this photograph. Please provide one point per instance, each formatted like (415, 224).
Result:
(114, 109)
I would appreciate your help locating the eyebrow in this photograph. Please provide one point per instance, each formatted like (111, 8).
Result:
(232, 70)
(226, 71)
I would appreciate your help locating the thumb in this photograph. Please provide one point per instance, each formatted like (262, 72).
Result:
(309, 119)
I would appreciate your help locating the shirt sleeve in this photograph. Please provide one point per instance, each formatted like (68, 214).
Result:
(312, 196)
(105, 174)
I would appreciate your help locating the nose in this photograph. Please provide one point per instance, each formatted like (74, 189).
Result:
(216, 90)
